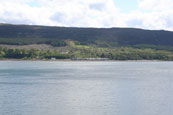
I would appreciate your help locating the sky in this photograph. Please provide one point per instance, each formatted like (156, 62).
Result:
(146, 14)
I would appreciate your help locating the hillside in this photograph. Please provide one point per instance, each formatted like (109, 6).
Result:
(25, 34)
(43, 42)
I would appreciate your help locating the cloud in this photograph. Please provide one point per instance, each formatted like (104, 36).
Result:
(98, 6)
(159, 14)
(151, 14)
(156, 5)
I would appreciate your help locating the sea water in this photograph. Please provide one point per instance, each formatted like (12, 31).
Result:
(86, 88)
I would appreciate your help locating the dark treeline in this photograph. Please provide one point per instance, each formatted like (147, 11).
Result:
(126, 53)
(30, 54)
(27, 41)
(88, 52)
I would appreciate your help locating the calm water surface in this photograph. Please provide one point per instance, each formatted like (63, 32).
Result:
(86, 88)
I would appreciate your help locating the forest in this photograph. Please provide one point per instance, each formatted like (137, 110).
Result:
(80, 51)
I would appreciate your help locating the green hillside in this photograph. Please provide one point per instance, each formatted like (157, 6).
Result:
(24, 34)
(74, 43)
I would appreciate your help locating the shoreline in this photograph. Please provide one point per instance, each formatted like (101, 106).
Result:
(69, 60)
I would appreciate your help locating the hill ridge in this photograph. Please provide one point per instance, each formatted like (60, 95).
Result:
(29, 34)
